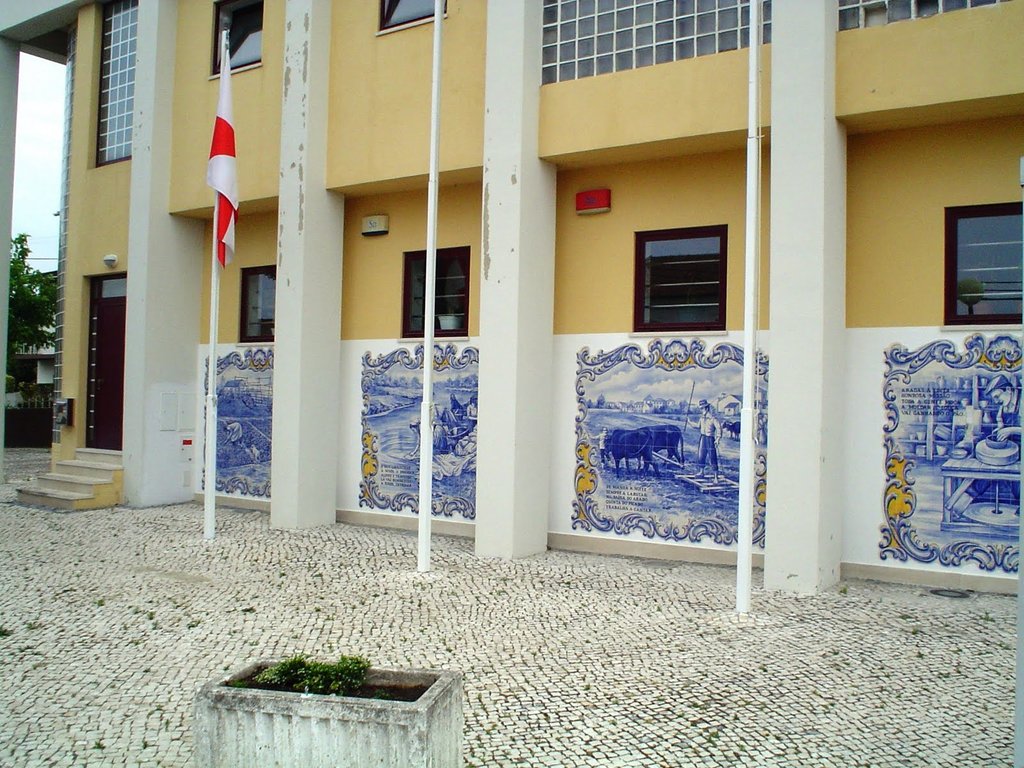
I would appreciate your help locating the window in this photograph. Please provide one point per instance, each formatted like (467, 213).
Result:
(394, 13)
(117, 81)
(680, 279)
(983, 264)
(451, 297)
(259, 286)
(244, 21)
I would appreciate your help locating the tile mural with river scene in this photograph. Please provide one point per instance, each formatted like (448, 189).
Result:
(392, 387)
(952, 453)
(657, 441)
(245, 397)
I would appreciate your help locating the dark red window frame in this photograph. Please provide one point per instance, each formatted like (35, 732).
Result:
(245, 274)
(954, 215)
(388, 8)
(640, 277)
(444, 257)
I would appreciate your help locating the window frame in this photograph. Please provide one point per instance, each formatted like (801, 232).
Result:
(953, 216)
(101, 103)
(244, 274)
(641, 239)
(383, 26)
(220, 9)
(462, 253)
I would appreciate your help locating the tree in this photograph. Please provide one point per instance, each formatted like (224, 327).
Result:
(32, 307)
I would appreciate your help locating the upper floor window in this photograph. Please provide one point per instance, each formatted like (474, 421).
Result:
(394, 13)
(593, 37)
(117, 81)
(451, 293)
(983, 264)
(874, 13)
(259, 288)
(680, 279)
(244, 21)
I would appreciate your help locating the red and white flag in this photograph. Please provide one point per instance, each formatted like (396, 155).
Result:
(221, 173)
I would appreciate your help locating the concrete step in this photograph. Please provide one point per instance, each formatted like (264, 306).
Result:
(99, 456)
(54, 481)
(97, 470)
(43, 497)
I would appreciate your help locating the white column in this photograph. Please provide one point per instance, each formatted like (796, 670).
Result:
(8, 110)
(164, 286)
(516, 293)
(308, 304)
(808, 302)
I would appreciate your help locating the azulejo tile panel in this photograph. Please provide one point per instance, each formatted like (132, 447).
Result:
(392, 386)
(952, 438)
(657, 441)
(245, 396)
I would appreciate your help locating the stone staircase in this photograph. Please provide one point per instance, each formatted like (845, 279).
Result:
(91, 480)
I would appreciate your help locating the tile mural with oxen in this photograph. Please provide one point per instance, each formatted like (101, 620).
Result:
(392, 387)
(952, 453)
(245, 395)
(657, 441)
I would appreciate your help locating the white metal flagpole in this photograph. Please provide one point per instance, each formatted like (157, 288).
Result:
(745, 518)
(210, 442)
(1018, 741)
(426, 487)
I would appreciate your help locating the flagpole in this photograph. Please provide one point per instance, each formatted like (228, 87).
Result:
(426, 488)
(210, 443)
(216, 180)
(745, 517)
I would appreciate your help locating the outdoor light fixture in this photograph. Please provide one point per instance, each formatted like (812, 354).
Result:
(375, 225)
(110, 260)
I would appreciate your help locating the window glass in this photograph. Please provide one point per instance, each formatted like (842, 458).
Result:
(983, 264)
(259, 286)
(117, 81)
(680, 279)
(396, 12)
(244, 21)
(451, 293)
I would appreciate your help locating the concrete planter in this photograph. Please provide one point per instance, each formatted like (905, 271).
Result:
(250, 727)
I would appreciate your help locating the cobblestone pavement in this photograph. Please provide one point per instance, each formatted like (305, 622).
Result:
(112, 619)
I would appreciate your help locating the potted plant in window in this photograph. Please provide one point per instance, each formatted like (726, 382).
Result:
(300, 712)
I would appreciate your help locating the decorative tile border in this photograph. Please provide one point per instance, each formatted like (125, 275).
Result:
(944, 466)
(637, 431)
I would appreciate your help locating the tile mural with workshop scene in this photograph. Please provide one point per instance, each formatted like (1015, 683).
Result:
(952, 453)
(657, 441)
(392, 387)
(245, 397)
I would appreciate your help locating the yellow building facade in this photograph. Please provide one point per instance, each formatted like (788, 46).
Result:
(588, 363)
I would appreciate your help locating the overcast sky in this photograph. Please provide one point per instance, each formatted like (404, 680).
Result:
(37, 157)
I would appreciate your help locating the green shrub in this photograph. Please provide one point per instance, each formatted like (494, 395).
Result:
(343, 678)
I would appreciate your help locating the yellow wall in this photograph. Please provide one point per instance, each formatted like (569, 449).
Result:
(379, 124)
(693, 105)
(256, 97)
(594, 260)
(953, 66)
(898, 186)
(371, 305)
(97, 222)
(255, 246)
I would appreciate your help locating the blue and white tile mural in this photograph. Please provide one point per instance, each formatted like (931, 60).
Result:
(657, 441)
(245, 396)
(392, 393)
(952, 453)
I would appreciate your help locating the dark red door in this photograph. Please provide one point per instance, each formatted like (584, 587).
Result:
(106, 362)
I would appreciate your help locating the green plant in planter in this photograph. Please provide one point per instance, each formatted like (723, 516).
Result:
(342, 678)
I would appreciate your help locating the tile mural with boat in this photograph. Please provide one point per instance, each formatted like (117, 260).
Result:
(392, 389)
(657, 441)
(952, 437)
(245, 395)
